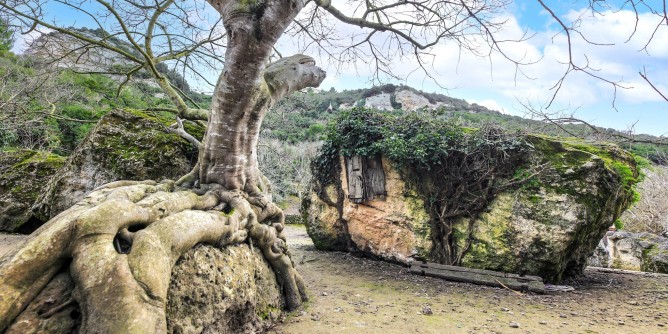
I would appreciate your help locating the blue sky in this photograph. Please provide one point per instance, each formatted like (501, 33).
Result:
(494, 83)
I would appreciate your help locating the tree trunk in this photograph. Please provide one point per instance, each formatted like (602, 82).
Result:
(121, 277)
(245, 90)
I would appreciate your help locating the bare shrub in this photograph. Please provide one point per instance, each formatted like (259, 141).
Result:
(650, 214)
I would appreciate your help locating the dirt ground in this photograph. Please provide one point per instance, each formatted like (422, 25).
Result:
(355, 295)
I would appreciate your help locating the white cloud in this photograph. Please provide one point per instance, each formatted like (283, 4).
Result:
(23, 40)
(490, 104)
(499, 82)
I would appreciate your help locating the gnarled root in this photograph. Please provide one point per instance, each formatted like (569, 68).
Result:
(123, 240)
(269, 238)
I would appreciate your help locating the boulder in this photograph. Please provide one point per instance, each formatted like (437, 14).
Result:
(23, 177)
(601, 256)
(565, 196)
(634, 251)
(395, 228)
(124, 145)
(228, 290)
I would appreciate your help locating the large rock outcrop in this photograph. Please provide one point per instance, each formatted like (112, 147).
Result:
(395, 228)
(23, 177)
(632, 251)
(228, 290)
(565, 196)
(124, 145)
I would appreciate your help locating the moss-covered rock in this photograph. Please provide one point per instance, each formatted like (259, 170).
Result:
(124, 145)
(562, 198)
(23, 177)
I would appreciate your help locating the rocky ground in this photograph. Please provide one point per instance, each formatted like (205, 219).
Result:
(354, 295)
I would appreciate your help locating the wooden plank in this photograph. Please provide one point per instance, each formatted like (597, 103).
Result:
(481, 277)
(355, 179)
(479, 271)
(374, 178)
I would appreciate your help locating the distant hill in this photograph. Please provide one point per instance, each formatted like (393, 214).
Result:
(67, 52)
(303, 116)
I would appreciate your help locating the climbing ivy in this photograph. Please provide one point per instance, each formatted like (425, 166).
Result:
(456, 170)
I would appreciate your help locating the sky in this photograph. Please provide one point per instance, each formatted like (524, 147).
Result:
(495, 83)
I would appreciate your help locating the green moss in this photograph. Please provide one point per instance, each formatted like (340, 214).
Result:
(143, 135)
(23, 176)
(567, 156)
(269, 312)
(619, 224)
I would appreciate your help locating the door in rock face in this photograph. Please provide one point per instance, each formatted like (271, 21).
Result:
(366, 178)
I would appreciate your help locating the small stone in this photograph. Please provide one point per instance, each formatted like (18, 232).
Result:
(514, 325)
(504, 309)
(543, 322)
(620, 322)
(323, 293)
(427, 310)
(561, 315)
(660, 324)
(633, 302)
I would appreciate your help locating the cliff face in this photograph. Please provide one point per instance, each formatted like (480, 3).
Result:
(401, 99)
(548, 224)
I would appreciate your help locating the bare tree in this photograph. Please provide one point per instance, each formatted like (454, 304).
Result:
(223, 200)
(152, 32)
(28, 100)
(287, 166)
(650, 214)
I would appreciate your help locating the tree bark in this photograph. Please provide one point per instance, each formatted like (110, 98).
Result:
(247, 88)
(121, 277)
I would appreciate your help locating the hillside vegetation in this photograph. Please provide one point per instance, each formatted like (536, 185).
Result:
(51, 105)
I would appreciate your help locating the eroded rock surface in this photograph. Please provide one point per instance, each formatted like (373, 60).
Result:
(395, 228)
(233, 290)
(23, 177)
(548, 225)
(229, 290)
(632, 251)
(124, 145)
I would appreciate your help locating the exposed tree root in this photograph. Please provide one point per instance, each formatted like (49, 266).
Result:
(122, 241)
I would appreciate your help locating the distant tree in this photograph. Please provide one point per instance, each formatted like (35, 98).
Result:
(650, 213)
(6, 36)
